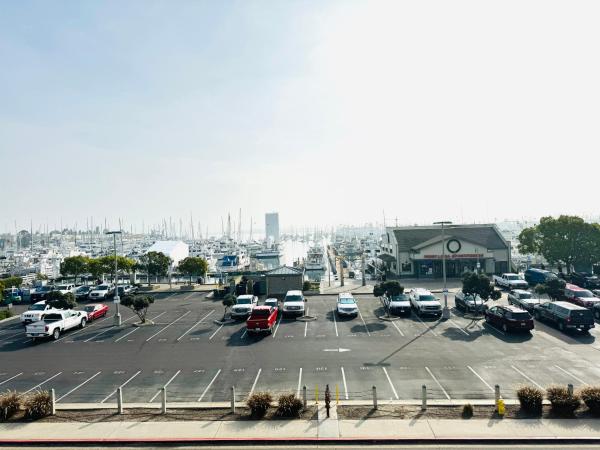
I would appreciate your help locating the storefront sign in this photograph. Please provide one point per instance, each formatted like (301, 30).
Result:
(455, 256)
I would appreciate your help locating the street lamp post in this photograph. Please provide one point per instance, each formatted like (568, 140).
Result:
(445, 310)
(117, 300)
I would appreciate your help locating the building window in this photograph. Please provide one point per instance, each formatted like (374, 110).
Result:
(407, 267)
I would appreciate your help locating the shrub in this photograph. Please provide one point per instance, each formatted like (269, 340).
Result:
(591, 397)
(5, 314)
(288, 405)
(306, 286)
(38, 405)
(530, 398)
(467, 411)
(9, 404)
(563, 403)
(259, 403)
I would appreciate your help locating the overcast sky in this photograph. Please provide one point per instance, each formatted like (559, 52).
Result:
(327, 111)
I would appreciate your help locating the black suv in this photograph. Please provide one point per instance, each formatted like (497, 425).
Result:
(40, 293)
(585, 280)
(565, 315)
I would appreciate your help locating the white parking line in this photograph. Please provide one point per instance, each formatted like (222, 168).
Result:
(427, 326)
(438, 383)
(571, 375)
(299, 382)
(482, 380)
(127, 334)
(108, 329)
(459, 327)
(255, 381)
(391, 384)
(397, 328)
(213, 335)
(43, 382)
(277, 326)
(12, 335)
(364, 323)
(87, 327)
(244, 333)
(165, 385)
(345, 385)
(164, 328)
(209, 385)
(121, 386)
(305, 328)
(527, 378)
(11, 378)
(78, 386)
(195, 325)
(335, 323)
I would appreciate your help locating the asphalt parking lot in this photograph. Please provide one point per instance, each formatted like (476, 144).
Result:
(199, 360)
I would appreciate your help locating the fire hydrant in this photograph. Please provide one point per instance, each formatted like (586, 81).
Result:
(327, 399)
(500, 407)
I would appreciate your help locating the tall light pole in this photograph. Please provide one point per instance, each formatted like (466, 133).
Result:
(445, 310)
(117, 300)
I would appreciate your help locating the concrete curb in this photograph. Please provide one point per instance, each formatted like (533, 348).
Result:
(16, 316)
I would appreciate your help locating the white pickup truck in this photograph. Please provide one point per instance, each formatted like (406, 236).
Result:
(510, 281)
(55, 322)
(425, 303)
(35, 313)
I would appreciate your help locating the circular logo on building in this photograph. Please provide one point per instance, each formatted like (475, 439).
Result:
(453, 246)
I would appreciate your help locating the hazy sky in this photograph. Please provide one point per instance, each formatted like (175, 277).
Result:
(326, 111)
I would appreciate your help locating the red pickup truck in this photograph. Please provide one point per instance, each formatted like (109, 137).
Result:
(262, 318)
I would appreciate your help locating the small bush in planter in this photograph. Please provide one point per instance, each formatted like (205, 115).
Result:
(530, 399)
(288, 405)
(563, 403)
(38, 405)
(259, 403)
(591, 397)
(467, 411)
(10, 403)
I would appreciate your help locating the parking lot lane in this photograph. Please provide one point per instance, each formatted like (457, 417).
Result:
(190, 384)
(27, 380)
(9, 338)
(90, 327)
(290, 328)
(146, 384)
(195, 325)
(547, 372)
(169, 325)
(571, 375)
(319, 377)
(407, 381)
(461, 381)
(107, 332)
(361, 379)
(122, 385)
(43, 383)
(438, 383)
(240, 377)
(279, 380)
(166, 386)
(209, 385)
(11, 378)
(75, 378)
(502, 374)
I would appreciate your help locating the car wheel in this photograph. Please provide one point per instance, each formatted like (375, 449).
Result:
(56, 334)
(597, 314)
(82, 324)
(504, 328)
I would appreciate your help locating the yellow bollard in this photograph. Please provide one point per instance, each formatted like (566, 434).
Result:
(337, 394)
(317, 394)
(500, 407)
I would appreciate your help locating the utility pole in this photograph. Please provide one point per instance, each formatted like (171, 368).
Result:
(445, 310)
(117, 300)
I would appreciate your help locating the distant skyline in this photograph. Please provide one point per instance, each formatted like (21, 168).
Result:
(328, 112)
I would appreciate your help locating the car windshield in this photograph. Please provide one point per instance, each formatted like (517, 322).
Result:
(89, 309)
(512, 277)
(427, 298)
(61, 287)
(102, 288)
(583, 294)
(52, 318)
(243, 301)
(399, 298)
(293, 298)
(37, 307)
(46, 289)
(524, 295)
(347, 301)
(82, 289)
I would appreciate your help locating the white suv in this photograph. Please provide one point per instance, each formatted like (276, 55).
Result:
(65, 288)
(102, 292)
(425, 303)
(243, 306)
(346, 305)
(293, 303)
(35, 312)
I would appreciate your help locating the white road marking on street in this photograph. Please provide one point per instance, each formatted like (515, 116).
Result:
(164, 328)
(482, 380)
(43, 382)
(195, 325)
(459, 327)
(571, 375)
(427, 326)
(11, 336)
(209, 385)
(121, 386)
(213, 335)
(299, 382)
(109, 328)
(165, 386)
(437, 382)
(137, 328)
(255, 381)
(397, 328)
(305, 328)
(11, 378)
(527, 378)
(493, 328)
(391, 384)
(345, 386)
(78, 386)
(244, 333)
(335, 323)
(364, 323)
(277, 326)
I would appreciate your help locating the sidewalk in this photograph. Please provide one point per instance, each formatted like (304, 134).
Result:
(383, 430)
(355, 286)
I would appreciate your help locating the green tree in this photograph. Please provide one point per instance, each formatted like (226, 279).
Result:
(567, 240)
(192, 266)
(228, 301)
(554, 288)
(96, 268)
(139, 304)
(74, 266)
(12, 282)
(156, 264)
(58, 300)
(479, 285)
(389, 289)
(123, 264)
(41, 276)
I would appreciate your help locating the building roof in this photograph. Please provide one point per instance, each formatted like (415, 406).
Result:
(386, 258)
(168, 247)
(487, 236)
(284, 270)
